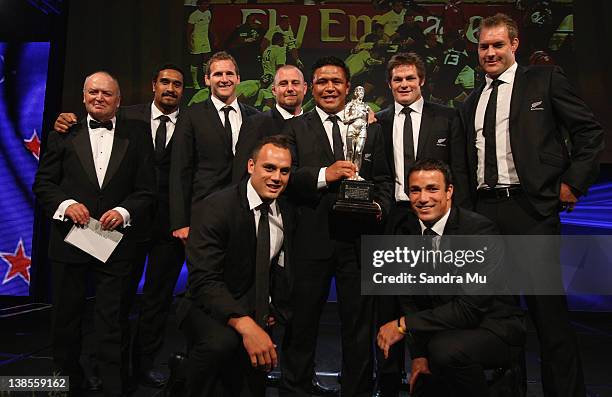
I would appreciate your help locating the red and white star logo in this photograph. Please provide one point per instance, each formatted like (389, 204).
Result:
(18, 264)
(33, 144)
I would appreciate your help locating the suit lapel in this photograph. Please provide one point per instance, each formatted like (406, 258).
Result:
(278, 119)
(471, 130)
(247, 223)
(213, 116)
(315, 124)
(82, 147)
(427, 120)
(386, 122)
(244, 127)
(518, 91)
(120, 146)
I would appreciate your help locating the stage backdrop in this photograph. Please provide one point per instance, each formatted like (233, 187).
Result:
(23, 77)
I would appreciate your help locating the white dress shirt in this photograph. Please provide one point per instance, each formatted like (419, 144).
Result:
(274, 218)
(506, 170)
(235, 118)
(101, 141)
(155, 114)
(398, 142)
(328, 126)
(286, 115)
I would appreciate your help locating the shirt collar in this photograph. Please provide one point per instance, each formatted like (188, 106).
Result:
(255, 201)
(219, 104)
(286, 115)
(506, 77)
(416, 106)
(155, 113)
(113, 120)
(323, 115)
(439, 226)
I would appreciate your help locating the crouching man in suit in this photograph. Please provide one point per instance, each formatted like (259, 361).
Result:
(452, 339)
(103, 169)
(239, 282)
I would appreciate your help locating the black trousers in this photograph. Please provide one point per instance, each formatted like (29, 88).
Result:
(165, 261)
(457, 360)
(310, 292)
(113, 300)
(217, 363)
(560, 355)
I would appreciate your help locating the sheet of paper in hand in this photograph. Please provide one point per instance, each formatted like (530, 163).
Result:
(92, 239)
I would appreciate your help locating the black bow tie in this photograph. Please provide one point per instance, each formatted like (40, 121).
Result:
(93, 124)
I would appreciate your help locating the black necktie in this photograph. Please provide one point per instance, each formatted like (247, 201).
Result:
(94, 124)
(409, 151)
(262, 266)
(160, 136)
(228, 126)
(429, 232)
(488, 131)
(336, 138)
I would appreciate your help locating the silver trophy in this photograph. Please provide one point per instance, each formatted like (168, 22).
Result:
(356, 117)
(356, 194)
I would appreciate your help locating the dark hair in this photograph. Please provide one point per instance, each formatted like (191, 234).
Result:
(498, 20)
(403, 58)
(167, 66)
(433, 165)
(221, 56)
(331, 61)
(280, 141)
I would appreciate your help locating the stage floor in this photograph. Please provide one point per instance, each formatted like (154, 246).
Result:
(24, 348)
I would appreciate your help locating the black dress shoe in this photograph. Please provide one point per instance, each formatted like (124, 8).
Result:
(94, 383)
(319, 389)
(175, 386)
(153, 378)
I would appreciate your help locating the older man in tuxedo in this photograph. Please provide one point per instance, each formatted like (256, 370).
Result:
(513, 165)
(166, 253)
(103, 169)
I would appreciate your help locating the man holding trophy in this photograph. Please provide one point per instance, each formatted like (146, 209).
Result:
(334, 210)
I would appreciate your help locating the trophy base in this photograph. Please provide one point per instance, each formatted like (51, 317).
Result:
(357, 208)
(356, 196)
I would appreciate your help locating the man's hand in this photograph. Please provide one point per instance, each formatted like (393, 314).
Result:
(371, 116)
(341, 169)
(388, 335)
(567, 197)
(257, 343)
(419, 366)
(111, 220)
(78, 213)
(64, 122)
(182, 234)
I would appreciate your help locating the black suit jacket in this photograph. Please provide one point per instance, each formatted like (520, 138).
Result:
(429, 314)
(142, 113)
(202, 161)
(434, 132)
(268, 123)
(317, 224)
(221, 253)
(544, 110)
(67, 171)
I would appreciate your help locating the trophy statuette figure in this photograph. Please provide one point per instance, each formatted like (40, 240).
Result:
(356, 194)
